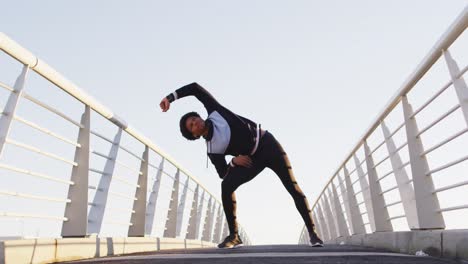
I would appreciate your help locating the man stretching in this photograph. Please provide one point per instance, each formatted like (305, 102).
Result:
(253, 148)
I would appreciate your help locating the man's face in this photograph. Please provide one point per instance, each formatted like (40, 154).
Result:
(195, 125)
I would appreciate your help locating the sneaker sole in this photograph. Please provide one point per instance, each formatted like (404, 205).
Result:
(317, 245)
(232, 247)
(238, 246)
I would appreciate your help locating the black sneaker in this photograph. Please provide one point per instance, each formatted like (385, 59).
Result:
(315, 241)
(231, 241)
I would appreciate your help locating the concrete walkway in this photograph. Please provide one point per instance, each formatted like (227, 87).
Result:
(278, 254)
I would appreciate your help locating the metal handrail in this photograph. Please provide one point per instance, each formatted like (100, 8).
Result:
(454, 31)
(417, 194)
(21, 54)
(30, 61)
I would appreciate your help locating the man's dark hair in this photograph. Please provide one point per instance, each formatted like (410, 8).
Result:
(183, 128)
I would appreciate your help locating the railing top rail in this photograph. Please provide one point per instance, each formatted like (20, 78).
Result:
(21, 54)
(445, 41)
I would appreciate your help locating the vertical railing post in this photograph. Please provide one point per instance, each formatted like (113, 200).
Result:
(193, 221)
(404, 184)
(344, 197)
(223, 225)
(218, 226)
(303, 238)
(171, 222)
(241, 233)
(306, 236)
(206, 223)
(77, 210)
(212, 222)
(215, 223)
(427, 204)
(354, 217)
(330, 219)
(380, 216)
(137, 229)
(318, 226)
(339, 212)
(365, 192)
(225, 228)
(180, 211)
(199, 225)
(98, 207)
(459, 84)
(152, 201)
(326, 226)
(10, 107)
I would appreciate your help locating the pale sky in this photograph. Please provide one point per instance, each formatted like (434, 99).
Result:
(313, 73)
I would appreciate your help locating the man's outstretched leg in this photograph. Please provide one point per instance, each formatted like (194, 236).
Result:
(281, 166)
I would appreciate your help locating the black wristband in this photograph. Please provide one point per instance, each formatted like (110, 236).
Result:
(171, 98)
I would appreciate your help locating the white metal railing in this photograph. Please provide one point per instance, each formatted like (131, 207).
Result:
(97, 185)
(391, 189)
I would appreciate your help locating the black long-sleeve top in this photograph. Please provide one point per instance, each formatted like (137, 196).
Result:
(229, 134)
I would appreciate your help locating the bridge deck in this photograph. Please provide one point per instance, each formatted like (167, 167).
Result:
(280, 254)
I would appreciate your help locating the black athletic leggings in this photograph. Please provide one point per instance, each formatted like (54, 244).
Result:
(269, 154)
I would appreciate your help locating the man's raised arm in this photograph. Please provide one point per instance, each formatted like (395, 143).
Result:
(194, 89)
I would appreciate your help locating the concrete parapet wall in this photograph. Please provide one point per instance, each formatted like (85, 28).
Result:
(207, 244)
(141, 244)
(193, 243)
(75, 248)
(170, 243)
(455, 244)
(65, 249)
(437, 243)
(28, 251)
